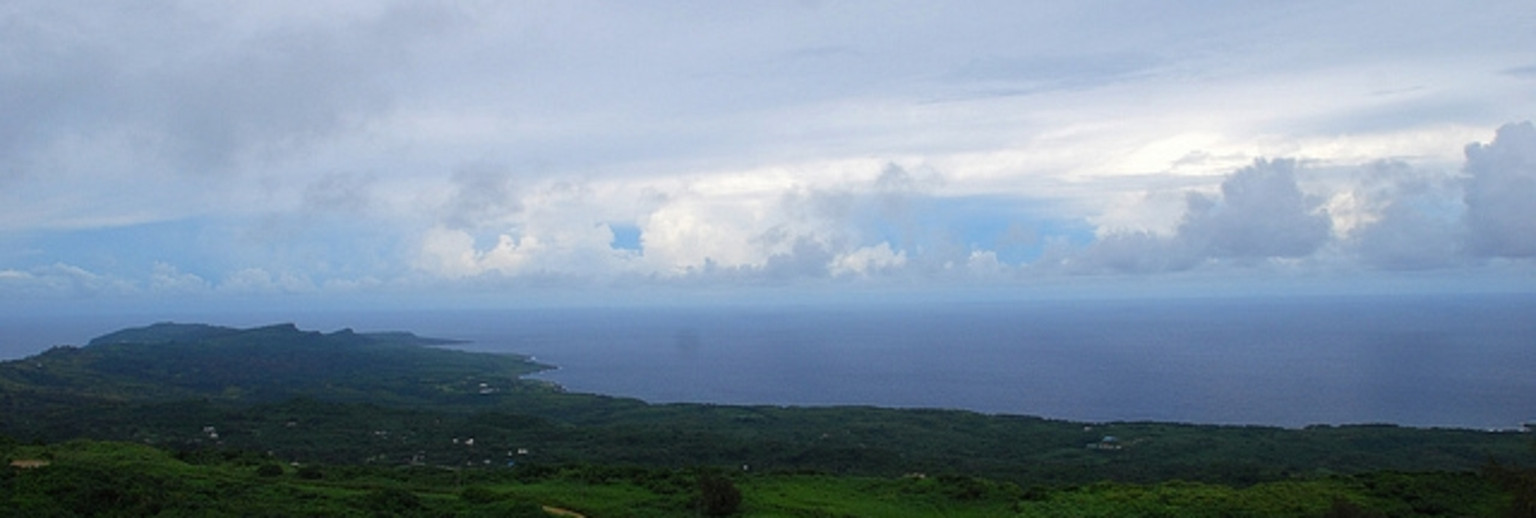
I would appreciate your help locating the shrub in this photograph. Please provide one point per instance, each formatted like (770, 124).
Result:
(718, 496)
(479, 495)
(393, 501)
(1343, 508)
(310, 473)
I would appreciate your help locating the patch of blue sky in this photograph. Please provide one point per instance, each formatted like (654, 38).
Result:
(1018, 231)
(212, 248)
(124, 251)
(626, 236)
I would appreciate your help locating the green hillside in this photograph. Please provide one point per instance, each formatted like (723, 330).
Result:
(89, 478)
(397, 418)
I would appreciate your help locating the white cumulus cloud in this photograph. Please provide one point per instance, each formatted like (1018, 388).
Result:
(1501, 194)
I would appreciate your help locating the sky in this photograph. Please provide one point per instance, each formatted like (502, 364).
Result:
(353, 154)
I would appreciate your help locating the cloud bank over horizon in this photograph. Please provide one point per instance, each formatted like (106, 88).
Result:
(188, 151)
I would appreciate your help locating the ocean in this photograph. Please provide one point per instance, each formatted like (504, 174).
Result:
(1453, 361)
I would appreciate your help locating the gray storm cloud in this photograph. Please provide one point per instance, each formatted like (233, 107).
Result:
(194, 91)
(482, 195)
(339, 192)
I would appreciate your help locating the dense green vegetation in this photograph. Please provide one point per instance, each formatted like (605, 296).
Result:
(89, 478)
(277, 421)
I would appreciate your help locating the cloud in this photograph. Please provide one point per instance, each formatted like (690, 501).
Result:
(449, 253)
(483, 195)
(1025, 75)
(575, 252)
(1261, 213)
(985, 264)
(1528, 71)
(806, 259)
(200, 91)
(868, 260)
(880, 222)
(1500, 193)
(1394, 217)
(253, 281)
(690, 231)
(554, 229)
(473, 142)
(339, 193)
(168, 279)
(1123, 252)
(1408, 219)
(60, 280)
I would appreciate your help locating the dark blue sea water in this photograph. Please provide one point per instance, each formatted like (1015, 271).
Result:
(1466, 361)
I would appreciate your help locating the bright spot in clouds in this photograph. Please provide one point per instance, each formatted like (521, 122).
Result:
(390, 150)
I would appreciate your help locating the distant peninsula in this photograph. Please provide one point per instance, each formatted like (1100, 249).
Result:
(170, 361)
